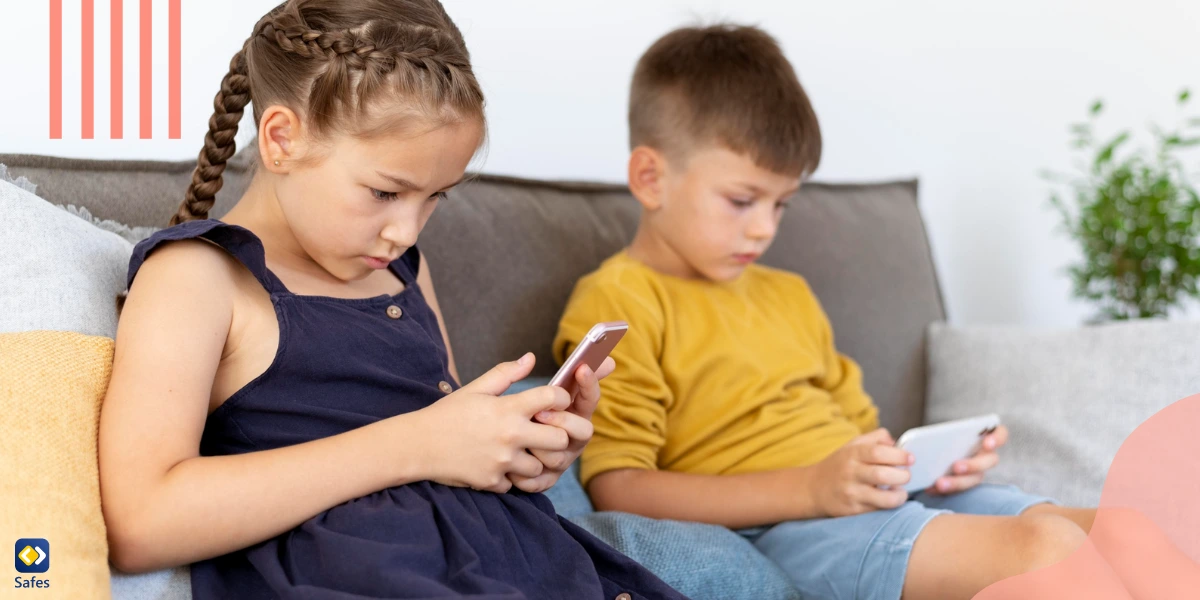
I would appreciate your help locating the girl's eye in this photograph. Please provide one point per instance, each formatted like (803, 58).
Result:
(383, 196)
(741, 202)
(437, 196)
(781, 205)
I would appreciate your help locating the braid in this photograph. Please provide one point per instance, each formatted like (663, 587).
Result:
(329, 61)
(358, 53)
(427, 50)
(219, 143)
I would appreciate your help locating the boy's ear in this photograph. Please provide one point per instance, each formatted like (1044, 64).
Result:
(279, 140)
(647, 168)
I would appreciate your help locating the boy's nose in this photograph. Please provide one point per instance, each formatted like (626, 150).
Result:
(762, 228)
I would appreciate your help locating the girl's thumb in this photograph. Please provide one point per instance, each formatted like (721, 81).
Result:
(500, 377)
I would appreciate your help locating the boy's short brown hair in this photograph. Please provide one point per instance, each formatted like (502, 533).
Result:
(725, 84)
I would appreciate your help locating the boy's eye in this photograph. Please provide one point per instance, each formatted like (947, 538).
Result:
(383, 196)
(741, 202)
(781, 205)
(438, 196)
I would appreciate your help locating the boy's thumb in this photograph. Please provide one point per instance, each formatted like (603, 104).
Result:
(879, 436)
(500, 377)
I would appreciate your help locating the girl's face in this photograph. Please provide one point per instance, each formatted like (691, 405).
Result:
(365, 204)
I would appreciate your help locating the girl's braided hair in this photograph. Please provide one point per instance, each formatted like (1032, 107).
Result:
(331, 61)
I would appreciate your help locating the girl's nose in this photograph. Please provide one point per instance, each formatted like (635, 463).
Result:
(402, 233)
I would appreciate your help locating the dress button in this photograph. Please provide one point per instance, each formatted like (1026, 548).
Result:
(445, 387)
(394, 312)
(624, 596)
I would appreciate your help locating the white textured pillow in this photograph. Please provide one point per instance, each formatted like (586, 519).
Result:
(1069, 397)
(58, 271)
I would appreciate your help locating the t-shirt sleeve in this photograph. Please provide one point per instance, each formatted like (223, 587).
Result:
(631, 418)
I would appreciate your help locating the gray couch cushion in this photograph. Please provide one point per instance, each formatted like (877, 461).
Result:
(133, 192)
(1069, 397)
(506, 252)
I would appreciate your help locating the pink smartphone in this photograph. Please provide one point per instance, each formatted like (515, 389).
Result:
(592, 351)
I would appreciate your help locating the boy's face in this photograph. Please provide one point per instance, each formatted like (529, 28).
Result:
(715, 213)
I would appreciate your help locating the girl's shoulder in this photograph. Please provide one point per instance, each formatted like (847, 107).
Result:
(186, 264)
(206, 247)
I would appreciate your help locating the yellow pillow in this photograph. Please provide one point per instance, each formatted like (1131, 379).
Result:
(51, 385)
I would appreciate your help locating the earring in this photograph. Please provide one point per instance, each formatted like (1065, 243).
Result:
(277, 163)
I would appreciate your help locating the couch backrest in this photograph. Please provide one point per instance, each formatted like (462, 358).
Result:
(505, 254)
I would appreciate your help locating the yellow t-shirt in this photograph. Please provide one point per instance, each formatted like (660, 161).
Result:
(714, 378)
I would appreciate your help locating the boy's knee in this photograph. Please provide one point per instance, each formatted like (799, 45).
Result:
(1043, 540)
(1127, 530)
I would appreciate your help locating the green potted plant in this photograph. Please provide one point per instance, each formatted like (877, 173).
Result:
(1134, 215)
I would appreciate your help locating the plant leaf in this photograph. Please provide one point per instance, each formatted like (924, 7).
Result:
(1097, 106)
(1106, 153)
(1184, 95)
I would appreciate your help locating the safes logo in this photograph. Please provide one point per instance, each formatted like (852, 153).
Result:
(32, 555)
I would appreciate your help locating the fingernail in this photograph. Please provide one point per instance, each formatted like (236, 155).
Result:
(544, 415)
(990, 443)
(524, 360)
(911, 459)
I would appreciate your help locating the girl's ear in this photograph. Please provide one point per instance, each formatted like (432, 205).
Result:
(279, 139)
(647, 169)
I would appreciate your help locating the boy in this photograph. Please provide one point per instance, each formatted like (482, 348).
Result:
(730, 404)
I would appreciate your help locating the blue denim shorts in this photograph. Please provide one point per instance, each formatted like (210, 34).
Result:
(865, 557)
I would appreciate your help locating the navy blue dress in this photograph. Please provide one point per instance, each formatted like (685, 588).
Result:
(342, 364)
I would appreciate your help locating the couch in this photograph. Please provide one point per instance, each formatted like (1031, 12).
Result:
(505, 252)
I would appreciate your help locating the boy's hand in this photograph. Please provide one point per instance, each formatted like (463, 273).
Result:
(848, 481)
(576, 420)
(968, 473)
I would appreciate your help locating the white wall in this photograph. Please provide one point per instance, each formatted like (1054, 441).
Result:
(971, 97)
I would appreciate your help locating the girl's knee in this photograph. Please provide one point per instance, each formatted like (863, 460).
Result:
(1043, 540)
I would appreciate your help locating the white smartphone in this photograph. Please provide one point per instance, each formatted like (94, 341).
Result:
(935, 448)
(591, 351)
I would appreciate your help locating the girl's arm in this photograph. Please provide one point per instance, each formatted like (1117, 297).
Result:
(165, 505)
(425, 281)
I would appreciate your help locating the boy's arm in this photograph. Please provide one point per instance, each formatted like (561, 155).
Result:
(843, 377)
(630, 419)
(734, 501)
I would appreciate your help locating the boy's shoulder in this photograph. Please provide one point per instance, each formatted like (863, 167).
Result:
(620, 283)
(619, 272)
(762, 276)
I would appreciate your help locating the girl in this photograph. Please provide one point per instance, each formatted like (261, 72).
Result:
(283, 408)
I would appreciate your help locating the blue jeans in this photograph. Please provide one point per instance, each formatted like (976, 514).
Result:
(865, 557)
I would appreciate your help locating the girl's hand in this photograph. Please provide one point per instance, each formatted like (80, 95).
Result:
(968, 473)
(848, 481)
(576, 421)
(476, 437)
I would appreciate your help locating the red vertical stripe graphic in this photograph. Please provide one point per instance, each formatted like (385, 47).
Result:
(176, 59)
(56, 69)
(87, 63)
(144, 75)
(117, 68)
